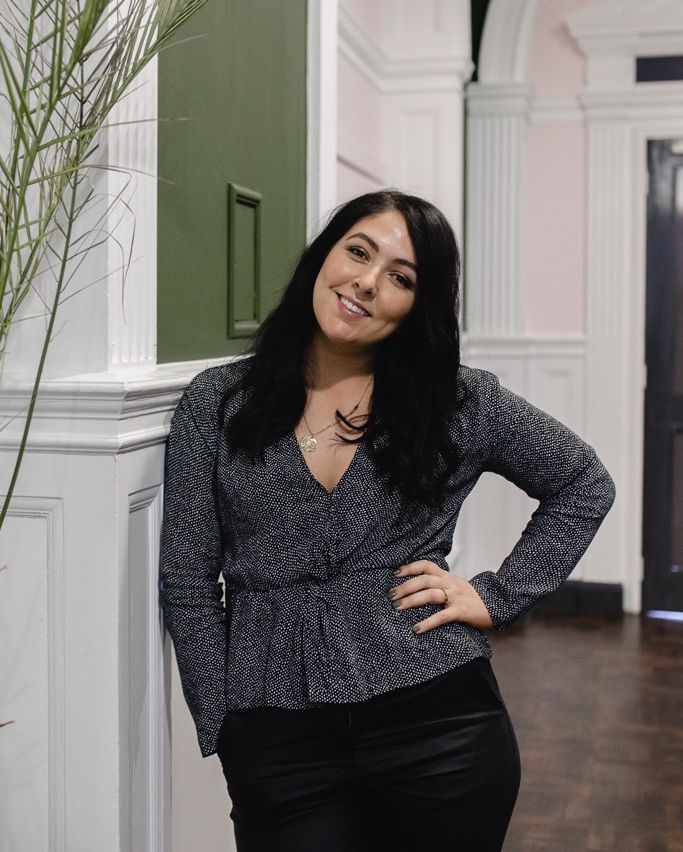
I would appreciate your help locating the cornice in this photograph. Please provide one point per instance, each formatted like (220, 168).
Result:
(633, 27)
(638, 100)
(96, 413)
(499, 99)
(397, 74)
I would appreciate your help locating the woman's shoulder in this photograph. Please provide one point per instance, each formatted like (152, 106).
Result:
(213, 382)
(480, 385)
(212, 390)
(477, 397)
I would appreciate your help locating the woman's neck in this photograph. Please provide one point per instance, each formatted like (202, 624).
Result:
(334, 365)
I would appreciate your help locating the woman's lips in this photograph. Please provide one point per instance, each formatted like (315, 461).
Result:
(347, 312)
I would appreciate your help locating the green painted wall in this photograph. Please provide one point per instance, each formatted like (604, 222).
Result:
(232, 109)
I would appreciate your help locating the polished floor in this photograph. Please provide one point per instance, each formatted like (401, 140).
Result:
(597, 704)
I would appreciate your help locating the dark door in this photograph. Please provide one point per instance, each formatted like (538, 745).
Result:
(663, 450)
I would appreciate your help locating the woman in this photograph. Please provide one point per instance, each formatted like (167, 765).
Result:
(346, 686)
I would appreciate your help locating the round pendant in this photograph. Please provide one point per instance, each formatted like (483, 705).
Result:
(308, 443)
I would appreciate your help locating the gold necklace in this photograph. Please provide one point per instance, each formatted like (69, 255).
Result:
(308, 442)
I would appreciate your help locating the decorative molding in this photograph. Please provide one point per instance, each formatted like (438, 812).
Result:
(497, 124)
(97, 414)
(243, 261)
(556, 111)
(611, 34)
(549, 372)
(628, 27)
(504, 51)
(644, 101)
(132, 145)
(620, 116)
(49, 512)
(416, 83)
(148, 756)
(362, 159)
(523, 347)
(396, 74)
(106, 664)
(498, 99)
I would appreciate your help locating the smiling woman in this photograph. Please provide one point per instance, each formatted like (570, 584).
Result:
(349, 673)
(365, 277)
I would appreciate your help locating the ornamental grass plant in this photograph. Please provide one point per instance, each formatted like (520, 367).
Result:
(64, 67)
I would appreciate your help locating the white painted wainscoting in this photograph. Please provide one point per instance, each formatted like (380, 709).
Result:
(85, 667)
(550, 373)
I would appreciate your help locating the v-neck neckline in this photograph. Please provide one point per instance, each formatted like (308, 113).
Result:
(309, 473)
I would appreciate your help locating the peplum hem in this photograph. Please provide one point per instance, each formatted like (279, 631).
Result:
(335, 641)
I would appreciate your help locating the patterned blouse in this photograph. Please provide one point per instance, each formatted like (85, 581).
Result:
(306, 620)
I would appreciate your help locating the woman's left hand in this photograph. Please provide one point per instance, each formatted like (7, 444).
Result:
(425, 587)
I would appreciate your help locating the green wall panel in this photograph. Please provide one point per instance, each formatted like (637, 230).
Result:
(232, 169)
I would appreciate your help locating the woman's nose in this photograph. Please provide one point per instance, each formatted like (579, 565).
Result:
(367, 281)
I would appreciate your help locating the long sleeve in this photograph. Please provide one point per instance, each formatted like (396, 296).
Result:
(553, 465)
(190, 594)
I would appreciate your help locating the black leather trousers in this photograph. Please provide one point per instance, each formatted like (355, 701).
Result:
(430, 766)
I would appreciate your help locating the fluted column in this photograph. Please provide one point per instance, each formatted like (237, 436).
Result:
(614, 354)
(132, 147)
(497, 119)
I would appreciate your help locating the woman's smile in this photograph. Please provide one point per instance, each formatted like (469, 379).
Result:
(371, 273)
(351, 309)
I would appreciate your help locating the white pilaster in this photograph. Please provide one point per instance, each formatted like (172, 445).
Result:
(131, 305)
(620, 116)
(613, 354)
(497, 119)
(84, 656)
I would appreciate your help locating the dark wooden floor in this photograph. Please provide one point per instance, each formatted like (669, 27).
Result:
(597, 706)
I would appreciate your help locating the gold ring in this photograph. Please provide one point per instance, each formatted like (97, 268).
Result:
(445, 600)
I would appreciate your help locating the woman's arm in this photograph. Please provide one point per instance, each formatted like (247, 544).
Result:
(555, 466)
(190, 594)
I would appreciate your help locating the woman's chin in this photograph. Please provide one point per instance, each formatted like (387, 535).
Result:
(339, 334)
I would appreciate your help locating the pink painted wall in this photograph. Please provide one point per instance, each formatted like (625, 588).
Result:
(553, 243)
(553, 255)
(555, 63)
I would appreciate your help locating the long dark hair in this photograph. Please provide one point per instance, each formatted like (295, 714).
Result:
(415, 368)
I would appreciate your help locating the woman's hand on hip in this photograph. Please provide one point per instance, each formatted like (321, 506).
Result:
(425, 586)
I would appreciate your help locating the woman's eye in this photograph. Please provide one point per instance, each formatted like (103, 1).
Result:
(357, 251)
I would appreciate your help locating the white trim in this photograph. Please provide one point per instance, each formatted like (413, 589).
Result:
(362, 159)
(556, 111)
(504, 50)
(50, 510)
(498, 116)
(396, 74)
(620, 117)
(321, 131)
(133, 145)
(549, 372)
(629, 28)
(98, 413)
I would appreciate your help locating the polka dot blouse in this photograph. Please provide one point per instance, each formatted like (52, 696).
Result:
(307, 620)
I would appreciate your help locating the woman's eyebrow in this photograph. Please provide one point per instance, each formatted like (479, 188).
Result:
(374, 246)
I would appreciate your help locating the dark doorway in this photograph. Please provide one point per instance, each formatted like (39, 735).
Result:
(663, 427)
(478, 10)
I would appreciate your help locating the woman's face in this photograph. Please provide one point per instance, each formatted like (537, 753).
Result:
(374, 266)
